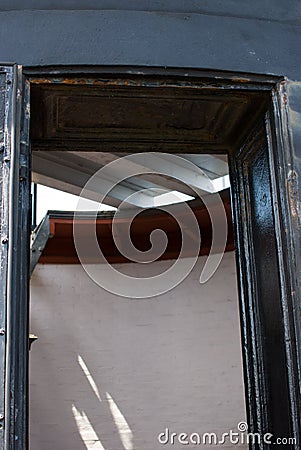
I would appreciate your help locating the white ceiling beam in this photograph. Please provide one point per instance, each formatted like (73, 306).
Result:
(170, 165)
(70, 176)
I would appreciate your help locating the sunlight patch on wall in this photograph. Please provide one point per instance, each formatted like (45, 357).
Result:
(86, 430)
(88, 376)
(125, 433)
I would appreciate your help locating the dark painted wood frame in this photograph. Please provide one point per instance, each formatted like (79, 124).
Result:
(270, 303)
(275, 143)
(14, 258)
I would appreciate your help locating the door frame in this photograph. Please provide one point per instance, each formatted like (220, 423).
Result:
(14, 258)
(281, 125)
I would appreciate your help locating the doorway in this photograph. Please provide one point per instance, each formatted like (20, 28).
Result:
(247, 117)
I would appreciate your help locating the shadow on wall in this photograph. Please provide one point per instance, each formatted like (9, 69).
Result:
(112, 373)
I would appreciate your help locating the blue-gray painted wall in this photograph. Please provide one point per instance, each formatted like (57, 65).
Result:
(259, 36)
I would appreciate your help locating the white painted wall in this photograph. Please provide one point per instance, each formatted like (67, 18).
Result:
(116, 372)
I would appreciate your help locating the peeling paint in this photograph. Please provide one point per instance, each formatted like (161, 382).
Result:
(293, 184)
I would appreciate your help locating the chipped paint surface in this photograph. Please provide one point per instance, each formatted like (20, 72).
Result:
(293, 192)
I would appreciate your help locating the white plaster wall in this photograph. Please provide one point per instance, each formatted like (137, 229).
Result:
(172, 361)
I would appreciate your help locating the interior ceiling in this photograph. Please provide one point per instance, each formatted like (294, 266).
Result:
(78, 129)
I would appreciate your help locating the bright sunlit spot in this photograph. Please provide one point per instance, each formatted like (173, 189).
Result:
(53, 199)
(84, 426)
(86, 430)
(89, 376)
(125, 433)
(170, 198)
